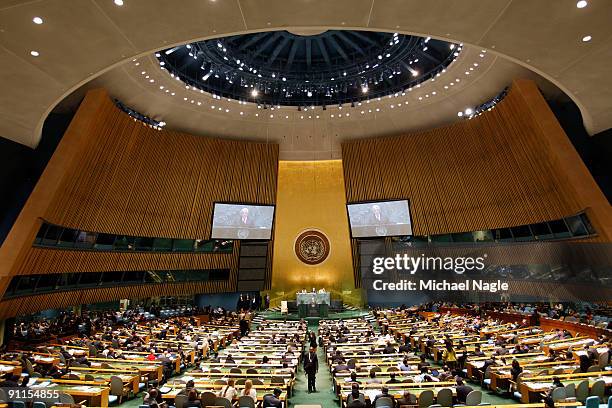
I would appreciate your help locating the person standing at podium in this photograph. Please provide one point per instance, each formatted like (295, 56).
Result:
(311, 366)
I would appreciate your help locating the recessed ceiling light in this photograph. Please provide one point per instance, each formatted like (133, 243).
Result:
(34, 53)
(581, 4)
(37, 20)
(586, 38)
(118, 2)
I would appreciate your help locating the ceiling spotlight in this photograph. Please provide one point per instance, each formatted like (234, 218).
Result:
(364, 89)
(309, 93)
(469, 111)
(460, 114)
(118, 2)
(581, 4)
(34, 53)
(586, 38)
(254, 93)
(37, 20)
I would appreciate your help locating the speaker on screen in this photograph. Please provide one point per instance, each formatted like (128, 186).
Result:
(242, 221)
(380, 219)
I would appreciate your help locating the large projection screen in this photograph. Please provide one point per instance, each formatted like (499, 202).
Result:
(242, 221)
(380, 219)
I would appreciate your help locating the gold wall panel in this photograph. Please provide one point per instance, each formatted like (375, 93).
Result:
(311, 195)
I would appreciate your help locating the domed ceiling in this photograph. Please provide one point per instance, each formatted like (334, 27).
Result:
(332, 67)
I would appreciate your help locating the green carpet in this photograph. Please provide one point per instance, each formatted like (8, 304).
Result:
(325, 395)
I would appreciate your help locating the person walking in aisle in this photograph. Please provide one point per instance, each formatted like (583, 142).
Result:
(311, 366)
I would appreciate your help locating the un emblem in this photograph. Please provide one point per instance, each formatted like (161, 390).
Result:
(312, 247)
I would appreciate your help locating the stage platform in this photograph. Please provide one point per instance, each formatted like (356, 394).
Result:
(347, 313)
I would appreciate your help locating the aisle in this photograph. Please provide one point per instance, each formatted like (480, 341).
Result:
(325, 395)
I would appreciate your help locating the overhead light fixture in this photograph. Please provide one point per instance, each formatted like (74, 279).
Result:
(254, 93)
(586, 38)
(364, 89)
(469, 111)
(581, 4)
(37, 20)
(34, 53)
(118, 2)
(460, 114)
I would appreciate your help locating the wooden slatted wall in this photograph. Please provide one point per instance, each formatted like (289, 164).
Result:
(130, 179)
(497, 170)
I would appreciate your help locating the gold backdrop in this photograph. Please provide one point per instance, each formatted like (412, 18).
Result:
(310, 195)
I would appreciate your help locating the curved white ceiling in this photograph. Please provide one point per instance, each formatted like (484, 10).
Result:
(310, 134)
(81, 39)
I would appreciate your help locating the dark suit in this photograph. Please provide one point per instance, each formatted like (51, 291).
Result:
(311, 366)
(248, 223)
(381, 220)
(462, 392)
(271, 400)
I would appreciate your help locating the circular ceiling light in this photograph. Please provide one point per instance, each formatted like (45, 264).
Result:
(581, 4)
(586, 38)
(34, 53)
(37, 20)
(254, 93)
(118, 2)
(469, 111)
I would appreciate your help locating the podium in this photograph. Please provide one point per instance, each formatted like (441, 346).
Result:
(313, 304)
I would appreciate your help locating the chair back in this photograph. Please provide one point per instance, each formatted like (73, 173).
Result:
(558, 394)
(240, 381)
(220, 402)
(244, 401)
(610, 402)
(89, 377)
(73, 377)
(384, 402)
(592, 402)
(570, 390)
(116, 386)
(235, 370)
(445, 397)
(376, 369)
(208, 398)
(257, 381)
(602, 359)
(351, 363)
(3, 396)
(220, 382)
(593, 369)
(29, 367)
(487, 373)
(392, 368)
(473, 398)
(582, 391)
(426, 398)
(251, 371)
(598, 388)
(180, 400)
(39, 404)
(66, 398)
